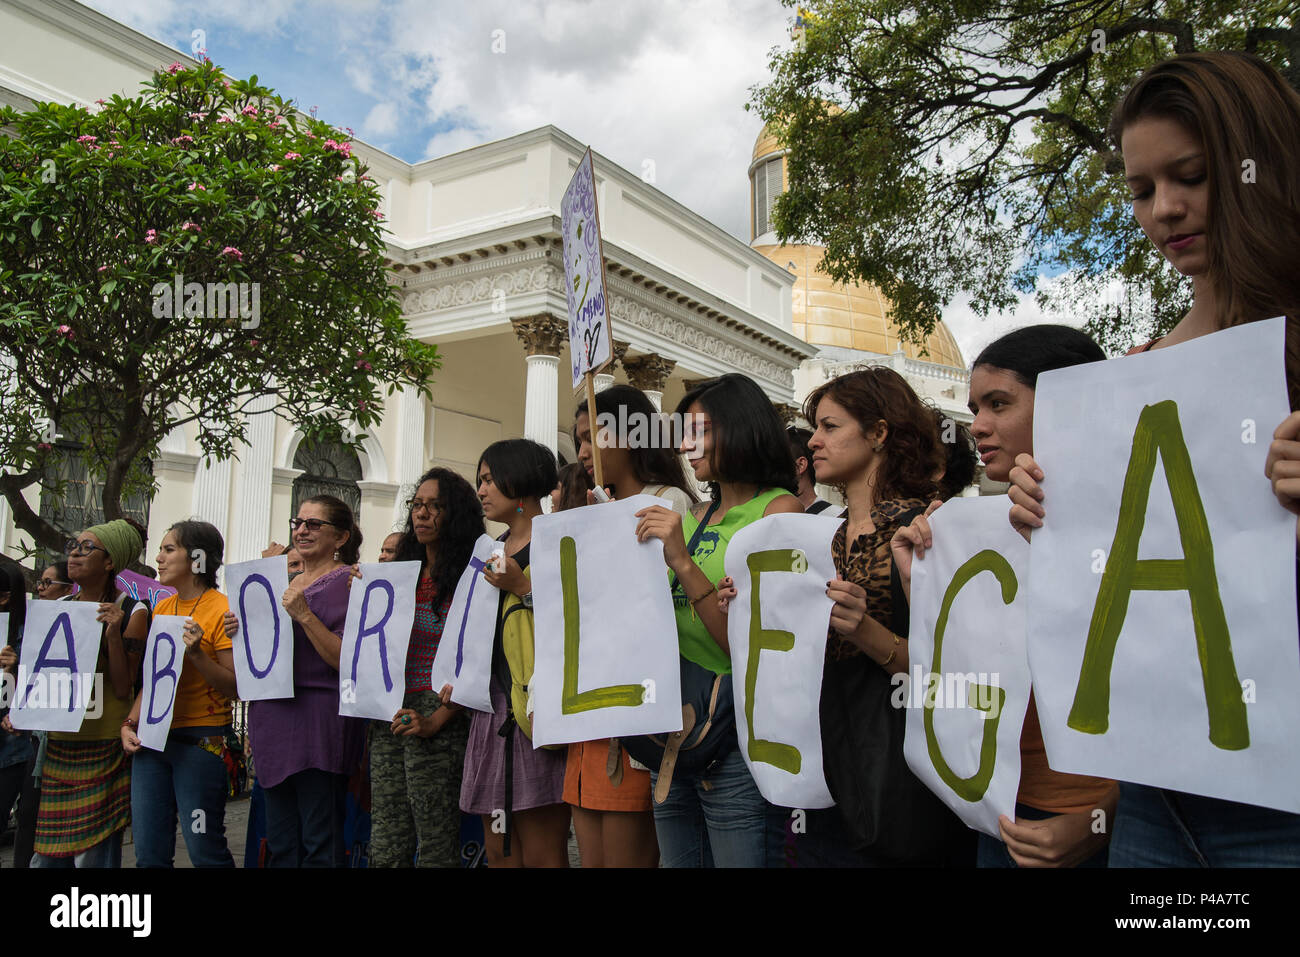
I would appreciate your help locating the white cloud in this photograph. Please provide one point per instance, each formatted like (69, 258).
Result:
(380, 121)
(973, 332)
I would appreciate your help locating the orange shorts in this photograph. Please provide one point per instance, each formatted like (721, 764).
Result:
(586, 784)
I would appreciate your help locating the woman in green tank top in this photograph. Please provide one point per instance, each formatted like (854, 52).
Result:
(735, 442)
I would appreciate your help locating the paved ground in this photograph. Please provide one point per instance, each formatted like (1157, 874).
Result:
(236, 834)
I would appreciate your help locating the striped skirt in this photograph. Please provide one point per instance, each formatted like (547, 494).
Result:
(85, 796)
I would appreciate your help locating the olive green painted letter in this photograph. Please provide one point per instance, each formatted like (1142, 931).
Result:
(1158, 430)
(784, 756)
(575, 701)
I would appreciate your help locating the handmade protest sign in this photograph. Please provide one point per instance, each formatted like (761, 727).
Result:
(464, 658)
(606, 639)
(164, 658)
(969, 674)
(776, 627)
(1162, 601)
(584, 274)
(57, 678)
(376, 633)
(264, 646)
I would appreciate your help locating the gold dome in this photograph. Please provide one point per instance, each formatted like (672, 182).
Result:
(766, 143)
(828, 313)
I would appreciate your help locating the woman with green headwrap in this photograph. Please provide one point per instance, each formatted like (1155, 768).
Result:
(86, 777)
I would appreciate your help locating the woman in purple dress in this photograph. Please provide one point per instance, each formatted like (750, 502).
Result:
(304, 750)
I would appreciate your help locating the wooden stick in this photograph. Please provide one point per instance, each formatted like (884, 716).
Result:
(591, 418)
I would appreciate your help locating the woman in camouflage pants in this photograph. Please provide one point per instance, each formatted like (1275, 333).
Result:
(416, 760)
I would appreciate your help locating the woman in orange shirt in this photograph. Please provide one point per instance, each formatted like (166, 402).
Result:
(190, 775)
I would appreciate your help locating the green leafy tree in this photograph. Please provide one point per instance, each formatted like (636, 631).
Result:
(959, 147)
(263, 221)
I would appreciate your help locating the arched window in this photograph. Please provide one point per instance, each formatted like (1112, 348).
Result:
(72, 499)
(328, 468)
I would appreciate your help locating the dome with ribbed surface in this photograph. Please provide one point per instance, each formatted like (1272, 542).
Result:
(828, 313)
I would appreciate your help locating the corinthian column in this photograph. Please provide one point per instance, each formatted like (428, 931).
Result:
(410, 448)
(650, 375)
(542, 336)
(253, 518)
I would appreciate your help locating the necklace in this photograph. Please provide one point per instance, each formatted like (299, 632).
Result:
(194, 606)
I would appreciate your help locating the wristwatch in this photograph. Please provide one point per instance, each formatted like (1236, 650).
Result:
(527, 599)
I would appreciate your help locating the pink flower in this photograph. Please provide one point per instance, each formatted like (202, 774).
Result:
(194, 116)
(377, 214)
(292, 156)
(233, 253)
(65, 331)
(363, 364)
(361, 406)
(311, 136)
(275, 124)
(174, 68)
(250, 110)
(192, 227)
(225, 119)
(254, 342)
(151, 235)
(87, 138)
(274, 167)
(44, 446)
(101, 268)
(101, 102)
(183, 138)
(193, 186)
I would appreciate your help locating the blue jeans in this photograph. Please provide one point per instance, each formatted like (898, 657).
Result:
(107, 853)
(304, 820)
(185, 778)
(716, 817)
(1158, 828)
(993, 853)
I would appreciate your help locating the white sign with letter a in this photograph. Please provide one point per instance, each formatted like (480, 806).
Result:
(56, 678)
(1162, 597)
(376, 634)
(464, 658)
(969, 671)
(606, 639)
(164, 657)
(776, 627)
(263, 648)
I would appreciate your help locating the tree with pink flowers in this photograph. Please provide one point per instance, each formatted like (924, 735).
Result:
(172, 257)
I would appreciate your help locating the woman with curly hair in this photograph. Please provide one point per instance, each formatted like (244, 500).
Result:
(416, 760)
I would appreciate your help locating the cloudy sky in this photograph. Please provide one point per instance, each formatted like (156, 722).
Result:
(655, 85)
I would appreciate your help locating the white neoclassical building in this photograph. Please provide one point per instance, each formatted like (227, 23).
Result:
(474, 247)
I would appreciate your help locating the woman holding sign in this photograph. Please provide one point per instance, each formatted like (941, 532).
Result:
(879, 444)
(86, 778)
(417, 759)
(518, 790)
(304, 750)
(1055, 812)
(190, 775)
(1187, 130)
(735, 441)
(610, 796)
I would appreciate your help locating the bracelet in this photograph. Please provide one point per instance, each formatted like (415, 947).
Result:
(885, 663)
(696, 601)
(133, 725)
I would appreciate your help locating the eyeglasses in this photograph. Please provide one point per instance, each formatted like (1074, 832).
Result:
(82, 548)
(414, 505)
(45, 583)
(312, 524)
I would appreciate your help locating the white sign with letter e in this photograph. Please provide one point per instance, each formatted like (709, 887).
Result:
(264, 646)
(969, 684)
(607, 660)
(464, 658)
(1162, 595)
(776, 627)
(164, 658)
(376, 634)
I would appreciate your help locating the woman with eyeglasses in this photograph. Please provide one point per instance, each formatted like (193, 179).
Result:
(416, 760)
(304, 749)
(189, 775)
(54, 582)
(85, 776)
(17, 751)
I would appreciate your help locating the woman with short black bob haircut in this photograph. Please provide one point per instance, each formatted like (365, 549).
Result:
(735, 442)
(513, 475)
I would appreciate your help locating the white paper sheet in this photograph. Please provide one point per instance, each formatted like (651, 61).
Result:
(606, 655)
(776, 627)
(264, 646)
(1146, 709)
(464, 658)
(376, 634)
(57, 677)
(964, 720)
(164, 659)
